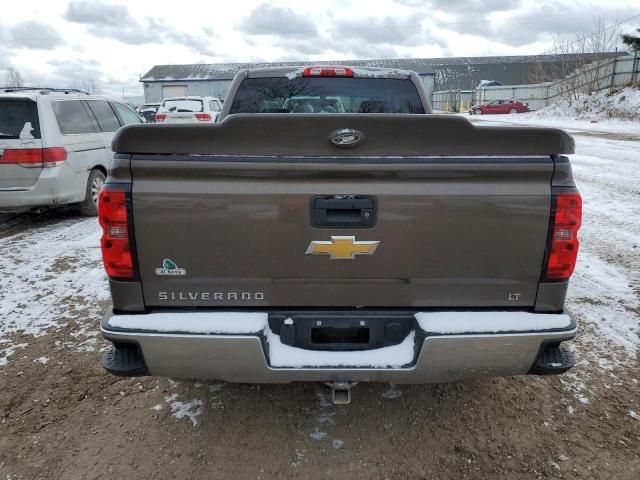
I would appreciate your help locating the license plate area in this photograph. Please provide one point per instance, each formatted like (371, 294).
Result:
(350, 330)
(329, 335)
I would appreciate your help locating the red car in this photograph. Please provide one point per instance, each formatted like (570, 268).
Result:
(499, 106)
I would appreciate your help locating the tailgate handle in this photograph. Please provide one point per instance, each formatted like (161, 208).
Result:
(350, 212)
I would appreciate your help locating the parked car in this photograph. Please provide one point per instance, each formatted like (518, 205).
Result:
(148, 111)
(55, 146)
(279, 247)
(499, 106)
(189, 110)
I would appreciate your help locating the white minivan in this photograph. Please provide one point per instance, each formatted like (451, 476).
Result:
(55, 147)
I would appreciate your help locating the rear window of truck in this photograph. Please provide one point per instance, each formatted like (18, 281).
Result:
(19, 117)
(326, 95)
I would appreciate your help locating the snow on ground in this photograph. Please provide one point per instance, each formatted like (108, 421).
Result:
(573, 126)
(49, 276)
(617, 103)
(604, 293)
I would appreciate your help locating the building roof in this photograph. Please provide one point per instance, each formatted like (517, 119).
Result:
(226, 71)
(456, 72)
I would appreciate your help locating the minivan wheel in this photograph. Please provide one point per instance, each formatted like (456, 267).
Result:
(89, 207)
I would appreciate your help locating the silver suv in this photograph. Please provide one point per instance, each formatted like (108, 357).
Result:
(55, 146)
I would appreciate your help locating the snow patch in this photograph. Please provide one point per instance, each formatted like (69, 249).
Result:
(359, 72)
(42, 360)
(602, 294)
(51, 275)
(25, 133)
(317, 435)
(391, 392)
(7, 352)
(192, 410)
(395, 356)
(193, 322)
(489, 322)
(326, 418)
(617, 103)
(634, 415)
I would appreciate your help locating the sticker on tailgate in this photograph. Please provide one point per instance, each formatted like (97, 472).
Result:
(170, 268)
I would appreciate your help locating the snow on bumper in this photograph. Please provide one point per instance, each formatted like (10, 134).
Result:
(240, 347)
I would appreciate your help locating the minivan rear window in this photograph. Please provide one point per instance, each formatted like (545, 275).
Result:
(73, 117)
(326, 95)
(15, 117)
(181, 106)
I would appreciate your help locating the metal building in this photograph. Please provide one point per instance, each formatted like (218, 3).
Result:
(461, 73)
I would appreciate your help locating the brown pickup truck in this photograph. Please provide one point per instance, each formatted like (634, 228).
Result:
(332, 229)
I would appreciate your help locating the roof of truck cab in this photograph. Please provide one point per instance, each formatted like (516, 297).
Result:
(296, 71)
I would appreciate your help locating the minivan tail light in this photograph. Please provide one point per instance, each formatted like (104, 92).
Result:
(327, 72)
(160, 117)
(203, 117)
(114, 220)
(53, 156)
(563, 248)
(25, 157)
(34, 157)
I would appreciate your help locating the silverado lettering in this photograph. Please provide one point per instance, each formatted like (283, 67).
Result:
(210, 295)
(474, 231)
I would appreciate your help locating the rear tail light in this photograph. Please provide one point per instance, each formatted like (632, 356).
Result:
(203, 117)
(563, 248)
(52, 157)
(114, 220)
(160, 117)
(34, 157)
(327, 72)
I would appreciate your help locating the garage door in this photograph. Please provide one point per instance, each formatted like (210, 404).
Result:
(174, 91)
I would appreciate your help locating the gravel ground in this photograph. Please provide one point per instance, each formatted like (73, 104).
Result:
(63, 417)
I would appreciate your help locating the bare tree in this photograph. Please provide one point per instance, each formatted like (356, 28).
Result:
(537, 72)
(602, 38)
(574, 75)
(585, 78)
(89, 85)
(13, 78)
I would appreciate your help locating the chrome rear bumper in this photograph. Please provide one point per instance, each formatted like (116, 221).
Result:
(244, 358)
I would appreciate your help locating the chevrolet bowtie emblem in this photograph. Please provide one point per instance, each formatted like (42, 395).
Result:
(340, 248)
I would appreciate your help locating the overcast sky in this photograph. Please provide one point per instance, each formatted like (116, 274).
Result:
(63, 42)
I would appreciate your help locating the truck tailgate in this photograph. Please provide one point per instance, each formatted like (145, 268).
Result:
(452, 232)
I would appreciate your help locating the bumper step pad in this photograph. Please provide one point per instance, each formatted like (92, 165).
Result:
(553, 360)
(124, 360)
